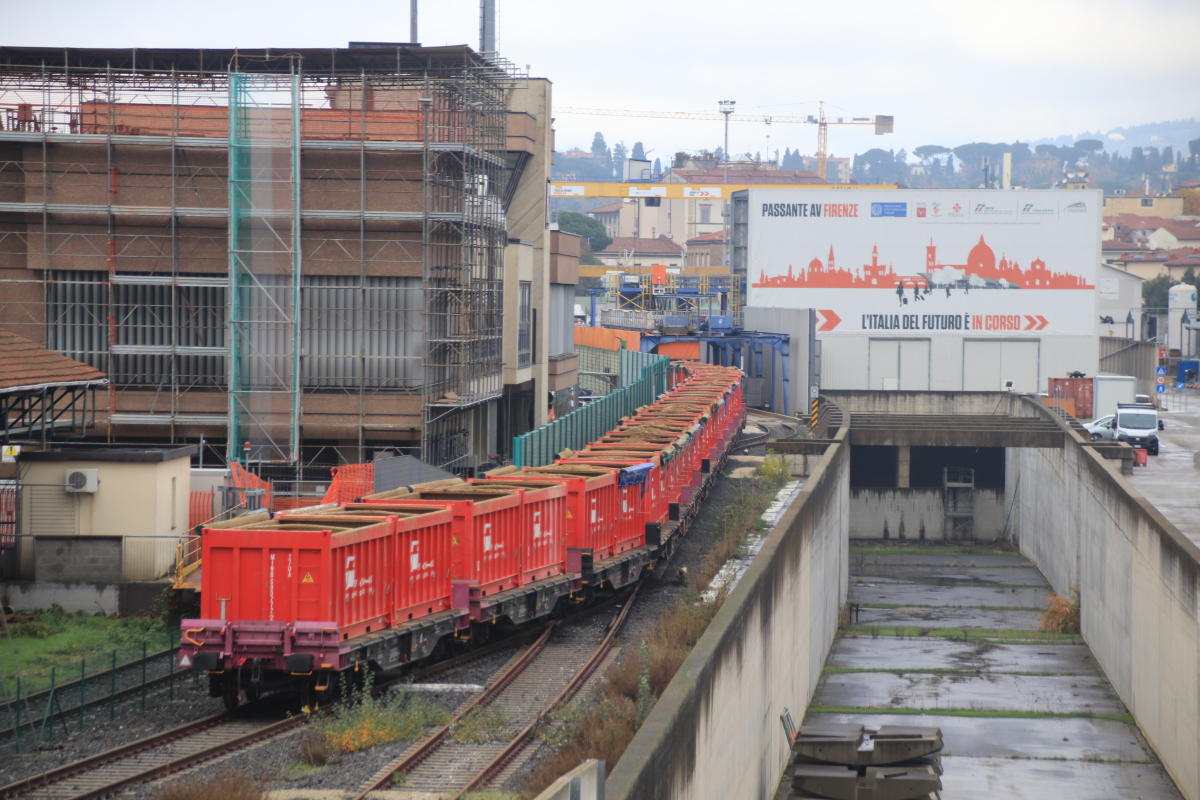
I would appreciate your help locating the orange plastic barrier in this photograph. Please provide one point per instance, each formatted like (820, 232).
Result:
(350, 482)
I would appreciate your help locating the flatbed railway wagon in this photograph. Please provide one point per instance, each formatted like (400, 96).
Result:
(294, 601)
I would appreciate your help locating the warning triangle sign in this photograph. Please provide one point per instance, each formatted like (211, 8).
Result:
(185, 661)
(308, 578)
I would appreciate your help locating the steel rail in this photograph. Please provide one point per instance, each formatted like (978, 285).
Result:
(518, 742)
(432, 742)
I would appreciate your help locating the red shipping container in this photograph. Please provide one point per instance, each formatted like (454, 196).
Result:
(544, 529)
(591, 499)
(488, 531)
(1078, 389)
(640, 503)
(422, 545)
(338, 571)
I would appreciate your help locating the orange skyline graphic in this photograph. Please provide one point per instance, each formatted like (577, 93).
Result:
(981, 271)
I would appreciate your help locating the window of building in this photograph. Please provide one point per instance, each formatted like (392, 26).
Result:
(1147, 202)
(705, 214)
(525, 324)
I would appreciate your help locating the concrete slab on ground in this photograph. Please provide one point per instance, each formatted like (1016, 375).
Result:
(1049, 694)
(1007, 737)
(869, 590)
(1020, 779)
(912, 616)
(924, 653)
(1171, 480)
(992, 753)
(928, 555)
(950, 575)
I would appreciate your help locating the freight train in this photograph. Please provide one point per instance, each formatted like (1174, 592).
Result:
(295, 600)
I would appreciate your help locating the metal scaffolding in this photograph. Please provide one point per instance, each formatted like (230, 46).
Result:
(264, 246)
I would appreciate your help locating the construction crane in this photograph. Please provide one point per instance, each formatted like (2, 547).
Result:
(882, 123)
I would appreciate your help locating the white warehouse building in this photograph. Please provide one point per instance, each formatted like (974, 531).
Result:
(930, 289)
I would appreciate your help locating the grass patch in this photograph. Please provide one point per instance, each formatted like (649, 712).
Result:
(959, 634)
(225, 784)
(299, 770)
(939, 671)
(364, 720)
(59, 639)
(931, 549)
(1061, 615)
(892, 606)
(602, 727)
(972, 712)
(481, 725)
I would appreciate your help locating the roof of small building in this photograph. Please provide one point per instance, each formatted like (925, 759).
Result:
(1181, 229)
(1118, 245)
(1183, 256)
(26, 365)
(606, 208)
(708, 238)
(630, 244)
(1136, 221)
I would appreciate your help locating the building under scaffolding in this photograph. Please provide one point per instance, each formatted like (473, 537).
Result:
(283, 251)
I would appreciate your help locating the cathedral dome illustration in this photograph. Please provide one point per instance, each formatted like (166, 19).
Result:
(981, 258)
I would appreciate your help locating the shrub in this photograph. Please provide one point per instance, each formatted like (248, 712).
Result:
(364, 720)
(314, 749)
(1061, 615)
(226, 784)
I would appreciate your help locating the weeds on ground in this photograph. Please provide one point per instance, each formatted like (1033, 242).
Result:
(481, 725)
(1061, 615)
(226, 784)
(742, 515)
(365, 720)
(299, 770)
(315, 749)
(39, 640)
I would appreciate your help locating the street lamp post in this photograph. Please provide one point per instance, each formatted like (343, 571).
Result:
(726, 108)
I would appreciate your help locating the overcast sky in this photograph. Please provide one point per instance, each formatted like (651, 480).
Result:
(949, 72)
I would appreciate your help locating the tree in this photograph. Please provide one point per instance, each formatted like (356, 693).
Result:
(589, 228)
(599, 147)
(639, 152)
(1194, 150)
(1154, 292)
(619, 154)
(657, 167)
(1089, 145)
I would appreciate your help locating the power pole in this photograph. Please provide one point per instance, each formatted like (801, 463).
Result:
(726, 108)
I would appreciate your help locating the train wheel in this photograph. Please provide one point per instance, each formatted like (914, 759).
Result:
(231, 697)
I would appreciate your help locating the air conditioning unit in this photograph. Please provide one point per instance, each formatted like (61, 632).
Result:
(85, 481)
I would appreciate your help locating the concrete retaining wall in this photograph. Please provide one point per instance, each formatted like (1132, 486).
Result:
(1085, 526)
(918, 514)
(715, 732)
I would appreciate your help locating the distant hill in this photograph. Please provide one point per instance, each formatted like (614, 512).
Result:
(1176, 133)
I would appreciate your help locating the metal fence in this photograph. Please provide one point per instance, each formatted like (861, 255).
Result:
(644, 376)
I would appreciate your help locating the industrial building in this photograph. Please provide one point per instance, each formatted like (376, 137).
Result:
(958, 290)
(297, 255)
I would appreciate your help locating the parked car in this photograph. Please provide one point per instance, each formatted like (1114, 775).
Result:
(1101, 428)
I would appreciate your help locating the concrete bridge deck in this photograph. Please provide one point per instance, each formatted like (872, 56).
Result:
(949, 637)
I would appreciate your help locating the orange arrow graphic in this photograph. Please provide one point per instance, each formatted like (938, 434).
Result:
(1030, 322)
(1042, 322)
(831, 319)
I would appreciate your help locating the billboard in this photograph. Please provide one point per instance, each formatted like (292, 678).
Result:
(928, 262)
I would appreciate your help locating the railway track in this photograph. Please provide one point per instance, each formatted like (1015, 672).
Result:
(65, 697)
(513, 705)
(149, 758)
(180, 749)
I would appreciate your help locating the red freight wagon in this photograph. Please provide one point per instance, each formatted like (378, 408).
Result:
(642, 502)
(544, 519)
(592, 505)
(488, 530)
(338, 570)
(421, 555)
